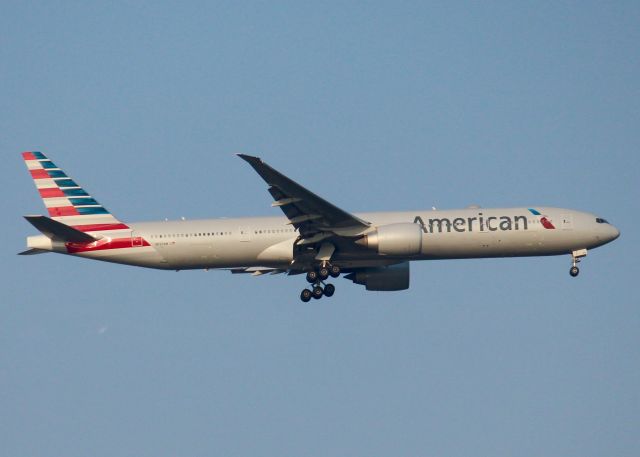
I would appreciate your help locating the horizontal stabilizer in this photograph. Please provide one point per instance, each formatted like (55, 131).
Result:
(33, 252)
(59, 231)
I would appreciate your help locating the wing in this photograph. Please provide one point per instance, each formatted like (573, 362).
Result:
(315, 218)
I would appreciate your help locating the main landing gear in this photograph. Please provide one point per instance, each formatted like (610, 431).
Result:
(576, 256)
(317, 278)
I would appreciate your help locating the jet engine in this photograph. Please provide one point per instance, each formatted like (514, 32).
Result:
(394, 239)
(388, 278)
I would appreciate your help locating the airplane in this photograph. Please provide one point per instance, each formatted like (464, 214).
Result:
(314, 238)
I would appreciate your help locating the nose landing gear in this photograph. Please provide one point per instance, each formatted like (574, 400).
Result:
(317, 278)
(576, 256)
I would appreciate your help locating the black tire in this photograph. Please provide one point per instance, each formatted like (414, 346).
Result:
(334, 271)
(574, 271)
(323, 272)
(329, 290)
(312, 276)
(317, 292)
(305, 295)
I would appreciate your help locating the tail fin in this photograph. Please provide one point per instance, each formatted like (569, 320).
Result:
(65, 200)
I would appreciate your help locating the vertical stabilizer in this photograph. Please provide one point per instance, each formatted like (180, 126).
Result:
(65, 200)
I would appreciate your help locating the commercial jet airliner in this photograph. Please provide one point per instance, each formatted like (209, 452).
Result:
(314, 238)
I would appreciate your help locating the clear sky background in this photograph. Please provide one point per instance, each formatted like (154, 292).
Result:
(375, 106)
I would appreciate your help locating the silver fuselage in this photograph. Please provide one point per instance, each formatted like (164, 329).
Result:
(269, 241)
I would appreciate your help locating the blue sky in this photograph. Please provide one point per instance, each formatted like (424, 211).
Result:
(375, 106)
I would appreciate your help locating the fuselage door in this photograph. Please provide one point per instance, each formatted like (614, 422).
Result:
(245, 233)
(136, 240)
(566, 222)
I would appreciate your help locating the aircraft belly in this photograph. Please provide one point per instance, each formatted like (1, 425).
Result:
(144, 256)
(221, 255)
(492, 244)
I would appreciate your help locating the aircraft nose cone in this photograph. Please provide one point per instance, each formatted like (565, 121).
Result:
(615, 233)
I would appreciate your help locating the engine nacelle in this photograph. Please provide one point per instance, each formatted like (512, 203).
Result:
(394, 239)
(389, 278)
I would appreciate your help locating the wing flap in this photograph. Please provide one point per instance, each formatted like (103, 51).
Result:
(257, 271)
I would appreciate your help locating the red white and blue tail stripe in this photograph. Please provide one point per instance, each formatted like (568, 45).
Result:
(65, 200)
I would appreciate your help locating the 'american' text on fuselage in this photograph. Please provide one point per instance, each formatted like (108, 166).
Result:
(467, 224)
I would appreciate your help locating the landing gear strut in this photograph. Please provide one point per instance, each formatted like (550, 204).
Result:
(576, 256)
(317, 278)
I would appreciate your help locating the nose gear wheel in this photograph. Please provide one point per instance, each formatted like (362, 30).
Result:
(576, 256)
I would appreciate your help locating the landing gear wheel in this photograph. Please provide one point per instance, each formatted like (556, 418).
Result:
(305, 295)
(312, 276)
(317, 292)
(574, 271)
(323, 272)
(329, 290)
(334, 271)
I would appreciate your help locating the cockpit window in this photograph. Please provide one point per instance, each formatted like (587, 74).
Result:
(600, 220)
